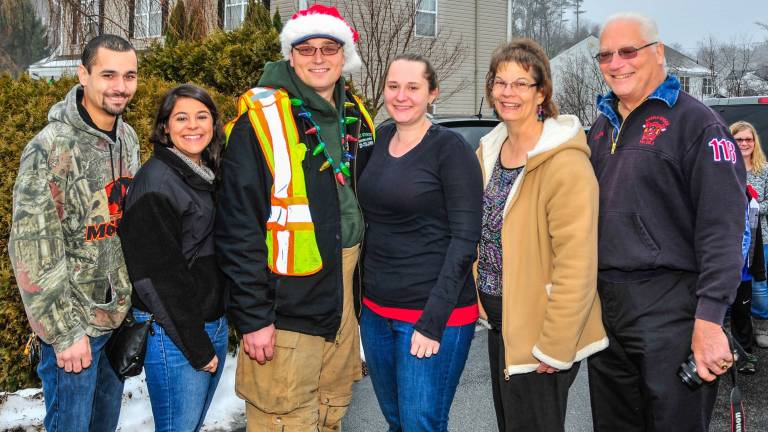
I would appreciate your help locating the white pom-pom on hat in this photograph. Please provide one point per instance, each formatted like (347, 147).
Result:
(321, 21)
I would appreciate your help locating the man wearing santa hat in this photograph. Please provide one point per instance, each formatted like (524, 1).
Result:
(288, 228)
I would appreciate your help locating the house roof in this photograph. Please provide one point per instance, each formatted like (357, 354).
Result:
(587, 46)
(54, 67)
(681, 64)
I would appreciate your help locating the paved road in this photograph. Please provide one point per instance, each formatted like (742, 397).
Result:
(473, 409)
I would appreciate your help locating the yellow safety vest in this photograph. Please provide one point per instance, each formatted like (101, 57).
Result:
(290, 233)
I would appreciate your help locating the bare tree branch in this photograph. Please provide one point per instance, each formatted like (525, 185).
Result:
(578, 82)
(386, 30)
(77, 21)
(728, 64)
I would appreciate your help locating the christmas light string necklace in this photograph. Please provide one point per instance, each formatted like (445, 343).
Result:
(340, 170)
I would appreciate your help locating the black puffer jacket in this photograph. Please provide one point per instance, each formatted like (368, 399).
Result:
(167, 241)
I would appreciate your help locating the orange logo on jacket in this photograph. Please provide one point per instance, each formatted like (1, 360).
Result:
(115, 191)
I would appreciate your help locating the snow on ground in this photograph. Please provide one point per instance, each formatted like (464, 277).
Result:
(24, 409)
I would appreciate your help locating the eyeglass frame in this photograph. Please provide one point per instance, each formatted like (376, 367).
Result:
(746, 140)
(626, 53)
(515, 86)
(337, 47)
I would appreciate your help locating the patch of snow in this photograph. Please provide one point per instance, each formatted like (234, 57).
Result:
(25, 409)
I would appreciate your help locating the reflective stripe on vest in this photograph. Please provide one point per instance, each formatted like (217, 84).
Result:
(290, 238)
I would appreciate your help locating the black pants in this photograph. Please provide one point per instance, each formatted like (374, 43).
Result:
(531, 401)
(633, 384)
(741, 316)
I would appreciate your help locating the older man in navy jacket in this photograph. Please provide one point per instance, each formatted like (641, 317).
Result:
(672, 209)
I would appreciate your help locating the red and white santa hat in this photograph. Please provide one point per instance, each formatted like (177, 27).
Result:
(321, 22)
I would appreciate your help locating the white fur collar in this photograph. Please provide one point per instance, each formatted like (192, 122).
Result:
(556, 132)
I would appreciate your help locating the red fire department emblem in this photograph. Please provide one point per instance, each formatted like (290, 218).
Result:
(598, 135)
(653, 127)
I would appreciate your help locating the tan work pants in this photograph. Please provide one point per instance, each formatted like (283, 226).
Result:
(307, 386)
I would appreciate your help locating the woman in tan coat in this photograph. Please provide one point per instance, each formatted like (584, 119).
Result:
(537, 266)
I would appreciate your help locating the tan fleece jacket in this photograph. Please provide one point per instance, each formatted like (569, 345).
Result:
(551, 311)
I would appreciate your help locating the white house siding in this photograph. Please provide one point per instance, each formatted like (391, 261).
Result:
(456, 22)
(287, 7)
(491, 33)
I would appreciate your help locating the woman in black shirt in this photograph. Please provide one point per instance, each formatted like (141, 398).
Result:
(421, 195)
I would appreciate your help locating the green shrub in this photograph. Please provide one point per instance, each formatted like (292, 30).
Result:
(231, 62)
(25, 105)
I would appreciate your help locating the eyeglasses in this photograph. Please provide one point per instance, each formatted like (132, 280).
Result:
(309, 50)
(744, 140)
(516, 86)
(626, 53)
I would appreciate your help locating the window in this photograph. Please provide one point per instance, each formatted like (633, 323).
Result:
(426, 18)
(234, 13)
(685, 84)
(708, 88)
(148, 18)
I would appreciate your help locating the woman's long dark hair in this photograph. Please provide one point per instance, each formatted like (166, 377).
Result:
(212, 153)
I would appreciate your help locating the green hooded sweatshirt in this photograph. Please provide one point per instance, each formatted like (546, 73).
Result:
(280, 74)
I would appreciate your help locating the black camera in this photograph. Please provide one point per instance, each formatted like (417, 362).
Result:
(688, 374)
(687, 370)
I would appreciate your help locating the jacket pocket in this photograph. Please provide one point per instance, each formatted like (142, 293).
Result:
(624, 242)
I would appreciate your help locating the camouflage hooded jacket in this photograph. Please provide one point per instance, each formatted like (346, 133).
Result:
(64, 247)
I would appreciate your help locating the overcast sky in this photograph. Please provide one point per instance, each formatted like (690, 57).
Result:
(689, 21)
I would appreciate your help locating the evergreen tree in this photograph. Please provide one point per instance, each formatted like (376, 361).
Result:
(257, 16)
(177, 24)
(277, 22)
(22, 36)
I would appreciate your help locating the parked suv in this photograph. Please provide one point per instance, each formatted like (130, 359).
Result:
(752, 109)
(471, 128)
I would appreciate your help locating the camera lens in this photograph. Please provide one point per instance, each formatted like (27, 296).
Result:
(688, 375)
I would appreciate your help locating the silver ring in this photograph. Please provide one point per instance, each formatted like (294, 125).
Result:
(428, 353)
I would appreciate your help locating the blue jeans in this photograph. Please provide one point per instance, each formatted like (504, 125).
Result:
(760, 295)
(414, 394)
(180, 394)
(85, 401)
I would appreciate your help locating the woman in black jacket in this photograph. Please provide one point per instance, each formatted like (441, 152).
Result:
(168, 247)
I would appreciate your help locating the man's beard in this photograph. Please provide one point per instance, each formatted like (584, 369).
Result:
(115, 110)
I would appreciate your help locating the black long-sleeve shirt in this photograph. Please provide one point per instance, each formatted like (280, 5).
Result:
(423, 214)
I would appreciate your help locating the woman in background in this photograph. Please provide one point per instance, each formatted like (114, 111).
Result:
(168, 247)
(755, 290)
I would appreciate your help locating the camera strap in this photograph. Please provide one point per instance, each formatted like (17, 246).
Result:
(738, 414)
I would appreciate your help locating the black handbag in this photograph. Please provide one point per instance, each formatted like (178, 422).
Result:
(127, 346)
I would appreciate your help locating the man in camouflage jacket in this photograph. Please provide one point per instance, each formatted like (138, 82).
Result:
(64, 247)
